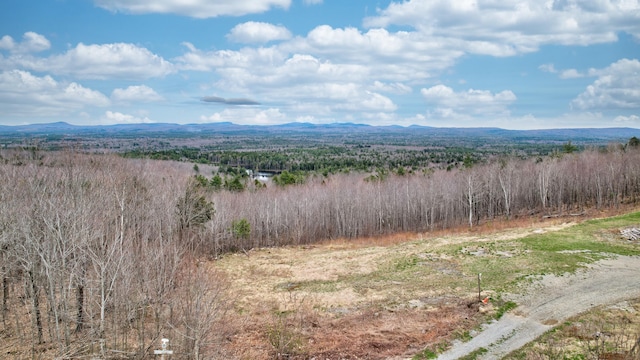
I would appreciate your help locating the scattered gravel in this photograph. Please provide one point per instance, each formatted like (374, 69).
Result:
(552, 300)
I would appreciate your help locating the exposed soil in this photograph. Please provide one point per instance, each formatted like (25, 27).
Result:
(281, 292)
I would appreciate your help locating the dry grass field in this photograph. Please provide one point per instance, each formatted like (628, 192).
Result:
(402, 296)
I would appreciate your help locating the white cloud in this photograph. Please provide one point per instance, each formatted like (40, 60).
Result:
(258, 32)
(394, 88)
(312, 2)
(402, 56)
(384, 56)
(564, 74)
(358, 100)
(7, 43)
(118, 60)
(246, 58)
(616, 87)
(248, 116)
(138, 93)
(24, 94)
(306, 119)
(451, 118)
(114, 117)
(408, 54)
(550, 68)
(31, 42)
(510, 27)
(302, 82)
(628, 120)
(571, 74)
(444, 95)
(193, 8)
(448, 102)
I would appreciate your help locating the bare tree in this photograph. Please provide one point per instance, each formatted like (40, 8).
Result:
(202, 306)
(107, 259)
(506, 176)
(470, 194)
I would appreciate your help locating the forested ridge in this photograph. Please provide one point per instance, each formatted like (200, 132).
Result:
(102, 255)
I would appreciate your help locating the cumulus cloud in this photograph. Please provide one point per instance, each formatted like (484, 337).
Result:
(136, 93)
(628, 120)
(393, 57)
(266, 72)
(563, 74)
(303, 83)
(357, 99)
(7, 43)
(327, 54)
(472, 101)
(34, 42)
(193, 8)
(513, 27)
(256, 59)
(381, 47)
(550, 68)
(615, 88)
(114, 117)
(258, 32)
(107, 61)
(271, 116)
(394, 88)
(231, 101)
(31, 43)
(354, 71)
(24, 94)
(571, 74)
(329, 70)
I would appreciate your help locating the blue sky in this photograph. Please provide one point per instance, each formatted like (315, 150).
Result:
(526, 64)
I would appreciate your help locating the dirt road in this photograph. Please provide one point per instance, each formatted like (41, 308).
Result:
(551, 301)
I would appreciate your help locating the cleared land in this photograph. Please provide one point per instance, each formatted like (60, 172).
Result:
(416, 295)
(553, 300)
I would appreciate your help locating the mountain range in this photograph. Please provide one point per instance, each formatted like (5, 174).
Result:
(344, 129)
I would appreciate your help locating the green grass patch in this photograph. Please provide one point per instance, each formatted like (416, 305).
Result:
(506, 264)
(585, 237)
(475, 354)
(317, 286)
(405, 263)
(408, 273)
(504, 308)
(425, 355)
(431, 352)
(464, 336)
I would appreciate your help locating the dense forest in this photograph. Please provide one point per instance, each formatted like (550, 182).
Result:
(102, 255)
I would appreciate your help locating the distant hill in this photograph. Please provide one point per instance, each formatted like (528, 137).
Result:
(578, 135)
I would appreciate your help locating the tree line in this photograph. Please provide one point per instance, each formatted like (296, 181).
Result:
(353, 205)
(337, 158)
(99, 255)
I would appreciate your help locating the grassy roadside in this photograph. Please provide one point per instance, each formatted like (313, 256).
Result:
(420, 276)
(505, 264)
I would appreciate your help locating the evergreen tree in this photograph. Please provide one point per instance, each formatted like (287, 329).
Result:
(216, 183)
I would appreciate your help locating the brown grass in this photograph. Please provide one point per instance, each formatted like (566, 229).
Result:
(365, 334)
(338, 303)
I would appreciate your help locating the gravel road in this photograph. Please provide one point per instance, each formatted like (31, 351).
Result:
(551, 301)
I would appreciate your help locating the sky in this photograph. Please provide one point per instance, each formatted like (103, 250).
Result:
(529, 64)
